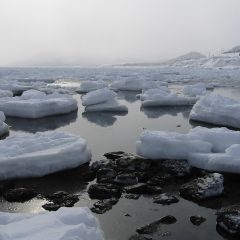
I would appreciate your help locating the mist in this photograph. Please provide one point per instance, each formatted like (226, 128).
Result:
(87, 32)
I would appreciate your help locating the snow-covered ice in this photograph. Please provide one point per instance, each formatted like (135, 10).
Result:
(64, 224)
(36, 104)
(88, 86)
(150, 93)
(217, 109)
(36, 155)
(5, 93)
(199, 141)
(102, 100)
(161, 97)
(195, 90)
(4, 129)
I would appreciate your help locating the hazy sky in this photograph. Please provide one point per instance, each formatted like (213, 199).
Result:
(46, 32)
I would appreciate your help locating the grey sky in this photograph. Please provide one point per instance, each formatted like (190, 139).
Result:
(46, 32)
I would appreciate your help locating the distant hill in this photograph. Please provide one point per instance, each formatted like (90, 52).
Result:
(234, 50)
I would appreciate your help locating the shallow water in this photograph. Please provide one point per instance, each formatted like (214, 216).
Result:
(107, 132)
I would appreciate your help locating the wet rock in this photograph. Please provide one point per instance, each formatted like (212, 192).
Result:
(100, 164)
(19, 195)
(160, 180)
(126, 179)
(60, 199)
(228, 220)
(165, 199)
(197, 220)
(175, 167)
(143, 188)
(154, 226)
(104, 191)
(211, 185)
(114, 155)
(141, 237)
(5, 186)
(102, 206)
(106, 175)
(132, 196)
(127, 215)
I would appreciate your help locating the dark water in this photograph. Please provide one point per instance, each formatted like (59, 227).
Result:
(113, 132)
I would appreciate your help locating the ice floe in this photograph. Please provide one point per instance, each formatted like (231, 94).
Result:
(4, 129)
(36, 155)
(88, 86)
(5, 93)
(217, 109)
(36, 104)
(66, 223)
(195, 90)
(102, 100)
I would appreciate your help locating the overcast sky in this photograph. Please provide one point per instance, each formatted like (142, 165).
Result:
(42, 32)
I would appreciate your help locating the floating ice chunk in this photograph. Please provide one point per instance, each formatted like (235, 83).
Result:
(98, 96)
(153, 93)
(66, 223)
(4, 129)
(88, 86)
(194, 90)
(216, 109)
(36, 104)
(5, 93)
(157, 98)
(169, 145)
(102, 100)
(36, 155)
(136, 85)
(220, 162)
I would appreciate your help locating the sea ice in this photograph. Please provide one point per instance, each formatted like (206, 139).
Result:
(66, 223)
(194, 90)
(36, 104)
(36, 155)
(88, 86)
(5, 93)
(102, 100)
(217, 109)
(4, 129)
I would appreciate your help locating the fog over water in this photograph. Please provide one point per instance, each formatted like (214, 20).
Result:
(83, 32)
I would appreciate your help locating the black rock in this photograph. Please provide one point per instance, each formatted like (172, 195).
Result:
(141, 237)
(114, 155)
(5, 186)
(165, 199)
(211, 185)
(126, 179)
(153, 227)
(100, 164)
(143, 188)
(102, 206)
(19, 195)
(160, 180)
(132, 196)
(104, 191)
(106, 175)
(197, 220)
(60, 199)
(228, 220)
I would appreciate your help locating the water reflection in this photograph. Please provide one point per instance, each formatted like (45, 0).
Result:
(41, 124)
(103, 119)
(157, 112)
(129, 96)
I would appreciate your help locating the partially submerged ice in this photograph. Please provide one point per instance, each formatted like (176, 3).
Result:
(5, 93)
(4, 129)
(37, 104)
(195, 90)
(162, 97)
(66, 223)
(88, 86)
(102, 100)
(218, 110)
(36, 155)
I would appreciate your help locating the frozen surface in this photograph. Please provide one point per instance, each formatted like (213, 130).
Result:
(4, 129)
(88, 86)
(5, 93)
(151, 93)
(64, 224)
(199, 141)
(102, 100)
(36, 155)
(195, 90)
(161, 97)
(216, 109)
(36, 104)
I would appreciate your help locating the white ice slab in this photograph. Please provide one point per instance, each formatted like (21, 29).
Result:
(195, 90)
(36, 155)
(64, 224)
(88, 86)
